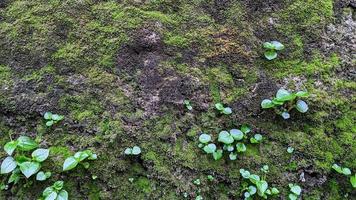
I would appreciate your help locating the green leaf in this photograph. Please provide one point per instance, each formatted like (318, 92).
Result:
(48, 115)
(285, 115)
(302, 106)
(296, 189)
(15, 176)
(8, 165)
(70, 163)
(210, 148)
(81, 155)
(275, 191)
(26, 144)
(58, 185)
(128, 151)
(270, 54)
(225, 137)
(40, 155)
(266, 103)
(276, 102)
(204, 138)
(49, 123)
(136, 150)
(240, 147)
(227, 111)
(268, 45)
(48, 191)
(277, 45)
(51, 196)
(284, 95)
(346, 171)
(262, 186)
(56, 117)
(353, 180)
(236, 134)
(219, 106)
(62, 195)
(302, 94)
(244, 173)
(41, 176)
(29, 168)
(233, 156)
(258, 137)
(10, 147)
(337, 168)
(245, 128)
(290, 149)
(254, 178)
(292, 197)
(217, 154)
(93, 157)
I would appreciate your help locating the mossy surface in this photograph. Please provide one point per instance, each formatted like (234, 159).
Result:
(119, 72)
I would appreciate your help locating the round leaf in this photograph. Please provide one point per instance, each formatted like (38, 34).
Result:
(240, 147)
(219, 106)
(204, 138)
(70, 163)
(252, 190)
(128, 151)
(48, 115)
(49, 123)
(40, 155)
(244, 173)
(227, 111)
(225, 137)
(233, 156)
(266, 103)
(136, 150)
(29, 168)
(258, 137)
(285, 115)
(236, 134)
(290, 149)
(302, 106)
(210, 148)
(284, 95)
(296, 189)
(62, 195)
(41, 176)
(270, 54)
(8, 165)
(56, 117)
(26, 144)
(277, 45)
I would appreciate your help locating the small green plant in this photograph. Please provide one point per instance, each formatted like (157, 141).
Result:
(135, 150)
(210, 177)
(55, 192)
(223, 110)
(347, 172)
(290, 149)
(296, 190)
(257, 185)
(285, 101)
(272, 48)
(72, 161)
(52, 118)
(188, 105)
(197, 181)
(233, 142)
(42, 176)
(21, 162)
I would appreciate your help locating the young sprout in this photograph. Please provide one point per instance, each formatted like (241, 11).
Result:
(290, 149)
(217, 154)
(272, 48)
(342, 170)
(136, 150)
(196, 181)
(188, 105)
(245, 128)
(233, 156)
(210, 148)
(55, 192)
(240, 147)
(296, 191)
(52, 118)
(223, 110)
(210, 177)
(265, 169)
(41, 176)
(225, 137)
(257, 138)
(204, 138)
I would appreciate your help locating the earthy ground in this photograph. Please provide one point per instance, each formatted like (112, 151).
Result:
(119, 72)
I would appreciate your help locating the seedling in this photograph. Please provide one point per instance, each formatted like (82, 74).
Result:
(42, 176)
(135, 150)
(223, 110)
(285, 101)
(52, 118)
(272, 48)
(347, 172)
(20, 162)
(295, 191)
(210, 177)
(72, 161)
(265, 169)
(259, 185)
(197, 182)
(290, 149)
(55, 192)
(188, 105)
(257, 138)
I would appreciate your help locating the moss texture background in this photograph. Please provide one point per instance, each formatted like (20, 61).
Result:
(120, 70)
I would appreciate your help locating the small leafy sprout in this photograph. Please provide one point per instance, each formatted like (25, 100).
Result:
(342, 170)
(296, 191)
(290, 149)
(131, 180)
(210, 177)
(210, 148)
(259, 187)
(204, 138)
(28, 166)
(136, 150)
(353, 180)
(257, 138)
(42, 176)
(197, 182)
(272, 48)
(223, 110)
(55, 192)
(285, 101)
(188, 105)
(72, 161)
(199, 197)
(225, 137)
(265, 169)
(52, 118)
(245, 128)
(217, 154)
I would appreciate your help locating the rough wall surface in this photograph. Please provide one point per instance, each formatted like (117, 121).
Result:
(119, 72)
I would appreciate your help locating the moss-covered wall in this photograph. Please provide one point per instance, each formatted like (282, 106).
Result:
(119, 72)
